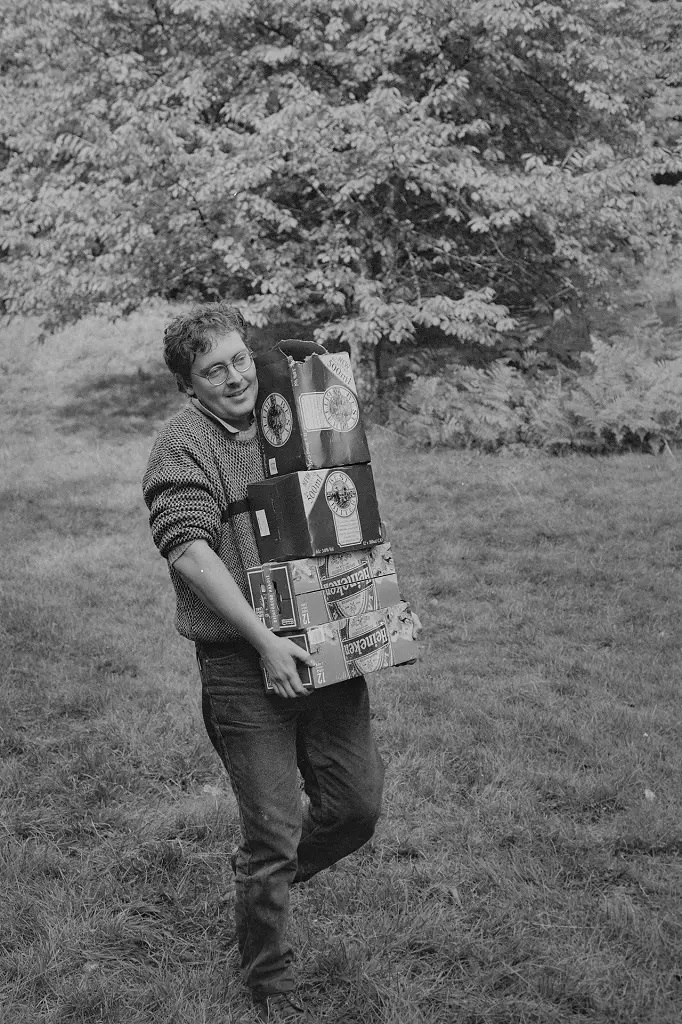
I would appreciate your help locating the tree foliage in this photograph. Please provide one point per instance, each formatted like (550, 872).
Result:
(370, 167)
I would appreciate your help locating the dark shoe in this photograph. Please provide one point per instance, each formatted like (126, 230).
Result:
(281, 1008)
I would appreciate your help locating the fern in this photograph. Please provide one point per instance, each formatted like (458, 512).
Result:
(619, 400)
(628, 396)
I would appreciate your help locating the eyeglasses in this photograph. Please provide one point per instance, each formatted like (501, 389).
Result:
(219, 373)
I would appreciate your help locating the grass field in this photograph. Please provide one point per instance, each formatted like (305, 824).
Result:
(528, 864)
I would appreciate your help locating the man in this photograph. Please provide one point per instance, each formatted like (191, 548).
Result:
(195, 488)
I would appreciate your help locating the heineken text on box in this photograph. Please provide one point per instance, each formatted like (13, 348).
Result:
(350, 647)
(311, 591)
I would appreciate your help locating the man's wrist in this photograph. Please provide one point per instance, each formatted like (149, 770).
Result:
(263, 640)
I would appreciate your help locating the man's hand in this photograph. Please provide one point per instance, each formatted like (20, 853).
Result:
(280, 657)
(210, 579)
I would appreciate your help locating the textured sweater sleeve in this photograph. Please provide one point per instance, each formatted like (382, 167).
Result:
(180, 496)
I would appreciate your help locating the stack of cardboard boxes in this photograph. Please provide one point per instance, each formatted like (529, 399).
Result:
(327, 580)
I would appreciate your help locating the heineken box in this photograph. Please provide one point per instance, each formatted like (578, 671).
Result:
(317, 512)
(352, 646)
(307, 410)
(311, 591)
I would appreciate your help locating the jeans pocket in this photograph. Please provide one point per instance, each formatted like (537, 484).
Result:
(234, 688)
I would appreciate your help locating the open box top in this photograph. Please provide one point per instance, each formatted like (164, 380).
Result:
(307, 409)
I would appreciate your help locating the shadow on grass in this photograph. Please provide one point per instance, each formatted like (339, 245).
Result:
(122, 403)
(134, 402)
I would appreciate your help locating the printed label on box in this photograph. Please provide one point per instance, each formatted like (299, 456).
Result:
(348, 530)
(334, 409)
(339, 364)
(312, 411)
(346, 585)
(341, 408)
(363, 643)
(316, 636)
(368, 651)
(276, 419)
(311, 485)
(342, 498)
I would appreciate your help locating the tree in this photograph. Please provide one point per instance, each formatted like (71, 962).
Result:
(371, 168)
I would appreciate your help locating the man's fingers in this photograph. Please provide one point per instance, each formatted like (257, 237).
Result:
(283, 669)
(284, 688)
(303, 656)
(299, 689)
(289, 689)
(291, 685)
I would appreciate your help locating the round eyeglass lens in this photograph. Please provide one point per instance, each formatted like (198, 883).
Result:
(217, 375)
(241, 362)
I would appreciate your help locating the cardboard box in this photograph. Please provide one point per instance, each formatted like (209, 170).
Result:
(308, 413)
(311, 591)
(350, 647)
(318, 512)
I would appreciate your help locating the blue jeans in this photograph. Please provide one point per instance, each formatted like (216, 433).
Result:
(262, 739)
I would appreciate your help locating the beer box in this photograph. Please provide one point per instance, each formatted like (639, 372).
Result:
(308, 413)
(317, 512)
(311, 591)
(350, 647)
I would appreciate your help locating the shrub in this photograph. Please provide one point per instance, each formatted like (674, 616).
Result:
(617, 400)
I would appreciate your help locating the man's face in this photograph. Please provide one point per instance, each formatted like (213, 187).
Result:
(234, 400)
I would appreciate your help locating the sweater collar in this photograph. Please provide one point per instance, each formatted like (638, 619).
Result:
(249, 432)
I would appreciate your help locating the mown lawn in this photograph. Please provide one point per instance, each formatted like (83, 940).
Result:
(528, 865)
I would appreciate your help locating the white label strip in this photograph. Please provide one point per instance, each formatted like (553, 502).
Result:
(263, 525)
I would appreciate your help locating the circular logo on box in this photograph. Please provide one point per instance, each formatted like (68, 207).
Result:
(340, 408)
(341, 494)
(276, 420)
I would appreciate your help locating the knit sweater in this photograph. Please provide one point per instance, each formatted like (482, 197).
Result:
(195, 470)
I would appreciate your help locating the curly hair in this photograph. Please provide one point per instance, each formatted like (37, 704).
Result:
(194, 332)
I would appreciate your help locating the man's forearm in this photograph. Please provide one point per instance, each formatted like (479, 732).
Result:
(213, 583)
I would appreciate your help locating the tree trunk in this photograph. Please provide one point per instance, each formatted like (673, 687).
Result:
(363, 357)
